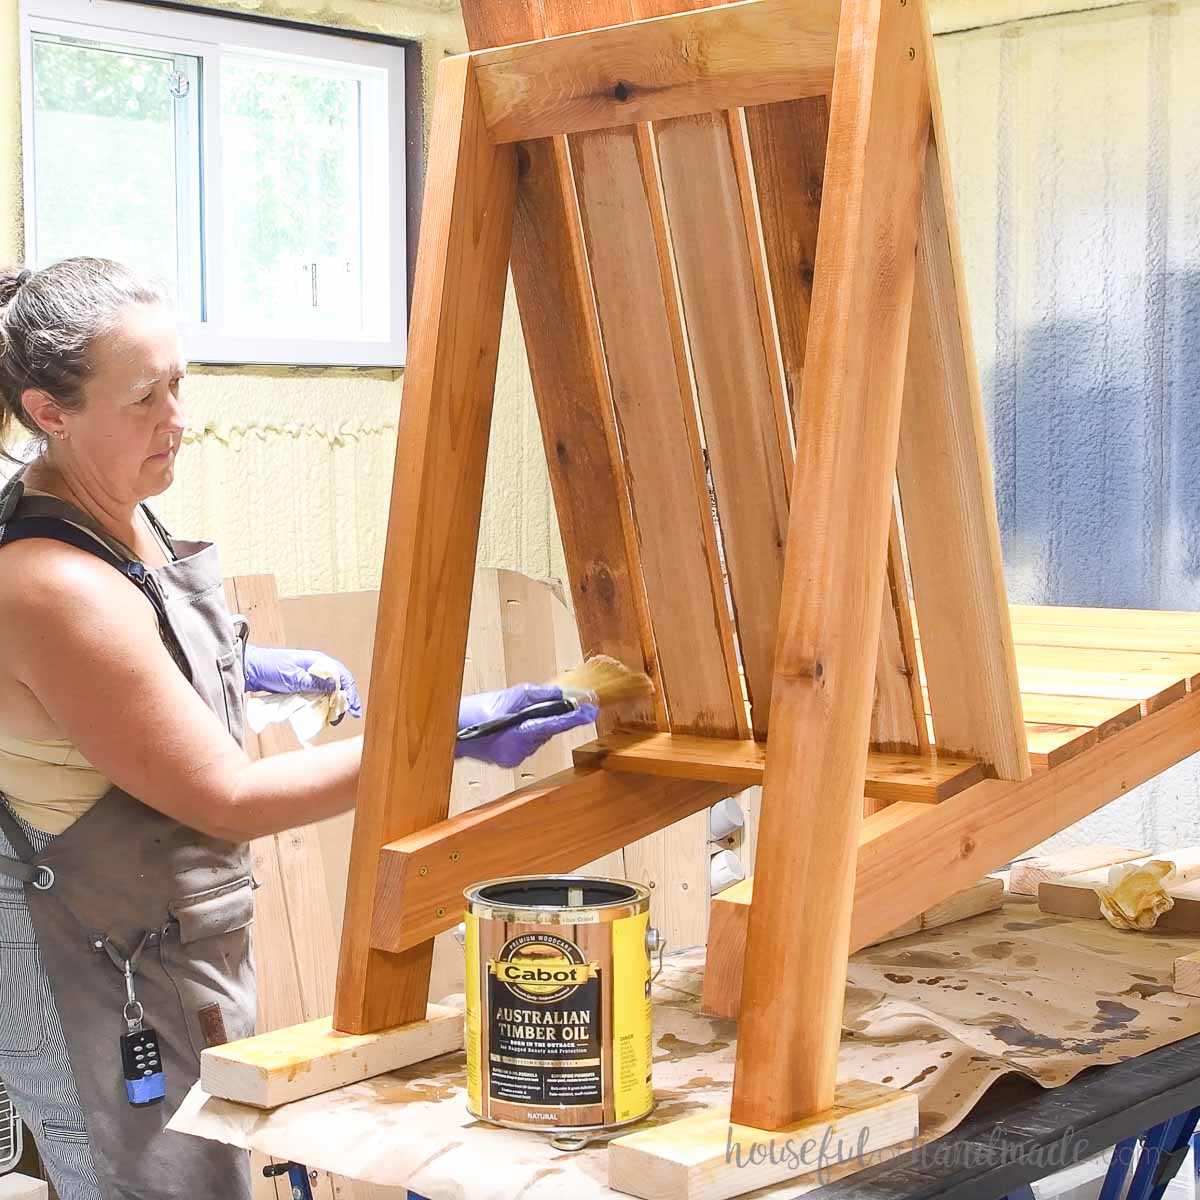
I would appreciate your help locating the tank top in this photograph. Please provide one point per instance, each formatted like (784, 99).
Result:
(48, 783)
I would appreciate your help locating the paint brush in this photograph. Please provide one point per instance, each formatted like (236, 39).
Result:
(602, 681)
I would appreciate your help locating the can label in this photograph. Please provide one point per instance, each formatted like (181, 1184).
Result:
(544, 1005)
(633, 1049)
(558, 1022)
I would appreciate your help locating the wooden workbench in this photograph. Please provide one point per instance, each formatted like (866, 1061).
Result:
(943, 1013)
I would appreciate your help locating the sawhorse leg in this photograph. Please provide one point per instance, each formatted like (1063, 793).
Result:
(1118, 1169)
(1164, 1147)
(297, 1175)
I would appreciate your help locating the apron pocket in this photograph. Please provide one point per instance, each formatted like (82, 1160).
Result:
(22, 985)
(224, 909)
(206, 955)
(65, 1131)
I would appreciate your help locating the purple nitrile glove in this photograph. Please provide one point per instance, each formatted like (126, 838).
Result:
(286, 672)
(514, 745)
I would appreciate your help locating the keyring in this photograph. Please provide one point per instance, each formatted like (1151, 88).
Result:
(45, 880)
(141, 1012)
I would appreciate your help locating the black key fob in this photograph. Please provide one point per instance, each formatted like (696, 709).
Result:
(142, 1060)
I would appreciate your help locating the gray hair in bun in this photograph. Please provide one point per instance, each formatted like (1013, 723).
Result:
(50, 320)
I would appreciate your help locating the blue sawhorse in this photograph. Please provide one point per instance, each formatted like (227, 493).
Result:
(1163, 1150)
(297, 1175)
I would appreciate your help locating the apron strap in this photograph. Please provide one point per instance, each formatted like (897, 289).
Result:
(54, 508)
(159, 528)
(21, 867)
(59, 529)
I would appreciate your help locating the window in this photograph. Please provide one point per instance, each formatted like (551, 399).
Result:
(257, 169)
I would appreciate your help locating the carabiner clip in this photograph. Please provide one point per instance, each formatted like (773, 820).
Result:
(133, 1023)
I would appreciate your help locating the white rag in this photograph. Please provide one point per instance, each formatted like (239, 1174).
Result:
(307, 712)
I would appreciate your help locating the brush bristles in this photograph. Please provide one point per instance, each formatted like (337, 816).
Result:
(610, 681)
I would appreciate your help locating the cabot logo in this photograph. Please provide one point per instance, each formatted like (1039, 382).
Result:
(541, 967)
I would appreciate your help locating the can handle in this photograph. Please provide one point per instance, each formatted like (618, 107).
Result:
(655, 943)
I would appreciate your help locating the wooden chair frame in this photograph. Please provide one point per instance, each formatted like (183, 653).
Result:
(733, 239)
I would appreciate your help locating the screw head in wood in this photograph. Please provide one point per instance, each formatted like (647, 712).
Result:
(455, 856)
(911, 54)
(439, 912)
(423, 871)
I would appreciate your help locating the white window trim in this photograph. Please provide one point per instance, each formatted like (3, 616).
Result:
(383, 160)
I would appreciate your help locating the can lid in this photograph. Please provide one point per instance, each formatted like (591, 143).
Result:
(559, 896)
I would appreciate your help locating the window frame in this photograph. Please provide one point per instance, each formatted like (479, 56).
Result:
(383, 169)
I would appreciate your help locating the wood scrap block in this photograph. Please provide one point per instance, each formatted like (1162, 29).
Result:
(22, 1187)
(1187, 974)
(705, 1157)
(306, 1060)
(985, 896)
(1075, 896)
(729, 917)
(1029, 873)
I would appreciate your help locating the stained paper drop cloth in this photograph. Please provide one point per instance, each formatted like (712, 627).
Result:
(944, 1013)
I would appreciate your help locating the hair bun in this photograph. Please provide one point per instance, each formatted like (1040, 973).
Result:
(11, 283)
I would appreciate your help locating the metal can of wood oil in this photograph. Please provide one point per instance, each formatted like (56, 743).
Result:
(558, 1003)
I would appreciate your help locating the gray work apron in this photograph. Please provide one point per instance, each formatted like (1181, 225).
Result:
(124, 876)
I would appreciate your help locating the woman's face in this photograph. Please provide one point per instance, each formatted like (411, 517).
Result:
(125, 437)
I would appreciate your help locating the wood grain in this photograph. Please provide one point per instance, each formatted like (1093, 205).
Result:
(787, 148)
(911, 853)
(308, 1059)
(730, 917)
(908, 864)
(752, 52)
(1187, 974)
(835, 575)
(571, 388)
(1076, 895)
(928, 778)
(787, 144)
(712, 238)
(945, 477)
(1054, 709)
(429, 558)
(1105, 637)
(625, 234)
(1029, 874)
(1163, 620)
(556, 825)
(733, 373)
(898, 722)
(647, 363)
(705, 1156)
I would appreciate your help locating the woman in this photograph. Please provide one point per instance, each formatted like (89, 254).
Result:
(128, 802)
